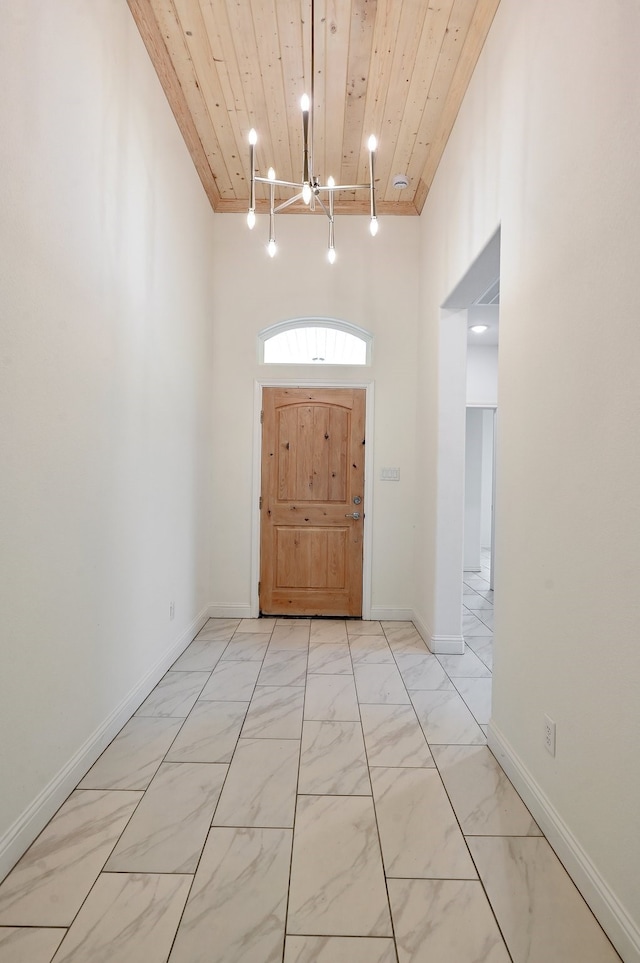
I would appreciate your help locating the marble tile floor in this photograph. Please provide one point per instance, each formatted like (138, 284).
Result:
(302, 791)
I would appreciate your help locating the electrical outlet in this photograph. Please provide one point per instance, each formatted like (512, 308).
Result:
(550, 735)
(172, 610)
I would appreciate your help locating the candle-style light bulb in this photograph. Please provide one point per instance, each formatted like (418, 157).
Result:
(305, 103)
(332, 255)
(373, 226)
(251, 219)
(330, 181)
(372, 143)
(253, 137)
(272, 248)
(271, 174)
(306, 192)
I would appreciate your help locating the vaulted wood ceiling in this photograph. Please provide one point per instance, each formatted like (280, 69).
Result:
(395, 68)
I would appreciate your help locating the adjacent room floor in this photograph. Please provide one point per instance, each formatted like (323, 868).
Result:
(309, 791)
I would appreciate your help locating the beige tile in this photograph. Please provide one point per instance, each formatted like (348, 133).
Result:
(484, 800)
(331, 697)
(231, 682)
(329, 630)
(260, 789)
(329, 658)
(175, 694)
(210, 733)
(218, 630)
(418, 829)
(445, 719)
(49, 884)
(380, 684)
(444, 921)
(275, 712)
(168, 829)
(132, 759)
(338, 949)
(477, 695)
(362, 627)
(393, 737)
(337, 881)
(246, 647)
(236, 909)
(421, 670)
(483, 648)
(29, 944)
(126, 918)
(201, 656)
(542, 915)
(404, 637)
(333, 760)
(370, 649)
(283, 667)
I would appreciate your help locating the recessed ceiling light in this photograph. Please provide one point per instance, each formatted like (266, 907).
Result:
(479, 328)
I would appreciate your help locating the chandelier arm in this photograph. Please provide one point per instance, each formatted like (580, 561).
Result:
(323, 206)
(267, 180)
(345, 187)
(291, 200)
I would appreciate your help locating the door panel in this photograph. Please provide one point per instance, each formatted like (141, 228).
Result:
(312, 468)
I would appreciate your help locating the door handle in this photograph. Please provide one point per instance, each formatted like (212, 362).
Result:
(355, 515)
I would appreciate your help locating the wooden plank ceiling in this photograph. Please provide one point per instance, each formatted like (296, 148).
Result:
(395, 68)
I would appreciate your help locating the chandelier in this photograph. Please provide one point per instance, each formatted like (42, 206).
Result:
(310, 190)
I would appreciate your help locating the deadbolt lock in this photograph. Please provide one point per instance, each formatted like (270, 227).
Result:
(357, 500)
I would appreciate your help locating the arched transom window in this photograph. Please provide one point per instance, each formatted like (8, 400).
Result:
(315, 341)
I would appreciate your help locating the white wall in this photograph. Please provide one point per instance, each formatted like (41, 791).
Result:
(486, 507)
(105, 306)
(547, 144)
(482, 375)
(374, 283)
(473, 462)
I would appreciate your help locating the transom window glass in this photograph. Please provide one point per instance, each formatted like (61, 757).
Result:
(315, 341)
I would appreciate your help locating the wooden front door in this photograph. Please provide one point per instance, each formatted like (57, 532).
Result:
(312, 485)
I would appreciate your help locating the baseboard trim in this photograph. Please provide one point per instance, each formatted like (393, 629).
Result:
(238, 611)
(446, 644)
(17, 839)
(623, 932)
(381, 614)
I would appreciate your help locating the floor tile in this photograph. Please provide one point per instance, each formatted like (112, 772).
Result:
(260, 789)
(370, 649)
(471, 625)
(393, 737)
(474, 601)
(331, 697)
(246, 647)
(477, 695)
(474, 580)
(210, 733)
(290, 635)
(218, 630)
(295, 622)
(283, 667)
(484, 800)
(231, 682)
(29, 944)
(486, 616)
(483, 648)
(330, 658)
(337, 881)
(404, 637)
(49, 884)
(445, 719)
(174, 695)
(257, 625)
(541, 914)
(132, 759)
(466, 666)
(380, 684)
(444, 921)
(168, 829)
(328, 630)
(236, 909)
(419, 833)
(338, 949)
(333, 760)
(363, 627)
(127, 917)
(275, 712)
(201, 656)
(422, 671)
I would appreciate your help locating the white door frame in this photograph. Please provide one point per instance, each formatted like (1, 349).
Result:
(367, 545)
